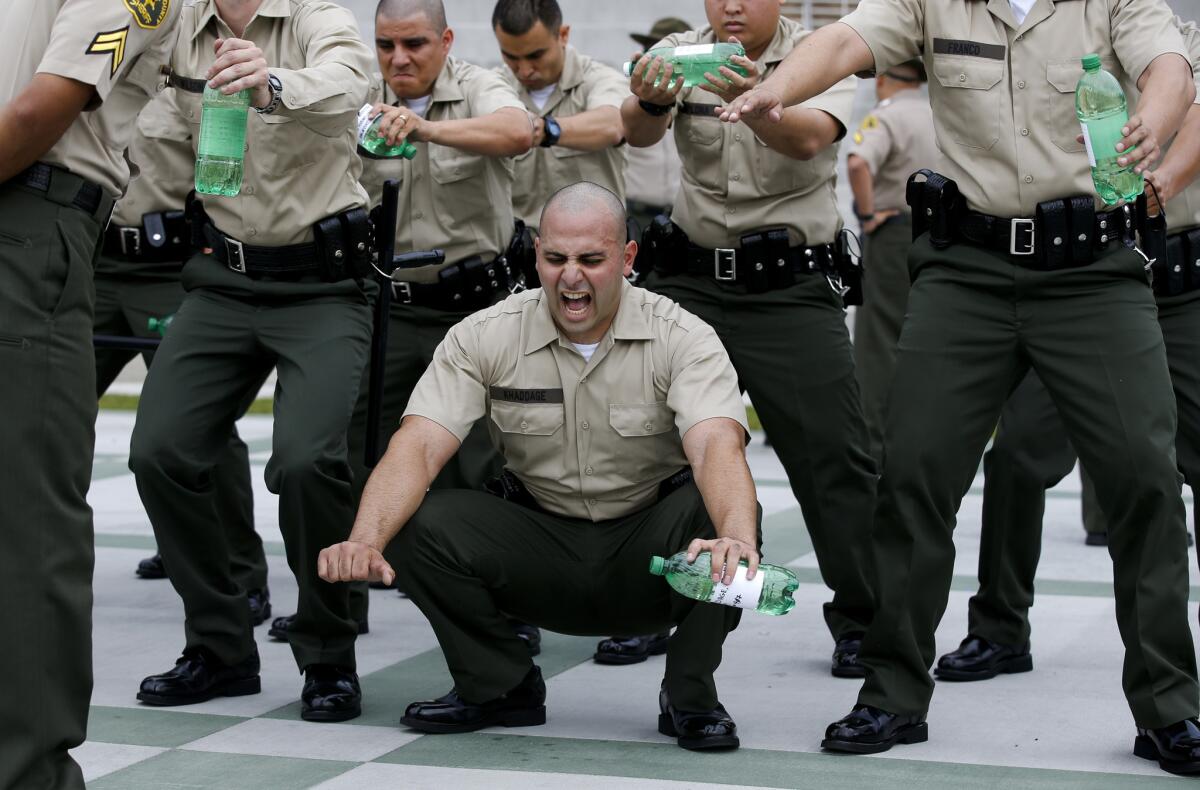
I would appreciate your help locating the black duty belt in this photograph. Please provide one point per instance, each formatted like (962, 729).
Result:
(734, 265)
(1180, 272)
(1056, 239)
(467, 285)
(163, 237)
(89, 198)
(288, 262)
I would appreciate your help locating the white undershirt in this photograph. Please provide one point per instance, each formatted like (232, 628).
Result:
(419, 106)
(542, 95)
(1021, 8)
(587, 349)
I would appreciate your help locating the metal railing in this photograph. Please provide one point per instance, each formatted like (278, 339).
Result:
(815, 13)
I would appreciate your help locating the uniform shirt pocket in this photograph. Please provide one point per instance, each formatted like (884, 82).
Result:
(460, 193)
(1061, 77)
(529, 437)
(283, 144)
(648, 436)
(971, 116)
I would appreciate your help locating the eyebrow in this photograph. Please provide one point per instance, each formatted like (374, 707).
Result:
(537, 53)
(584, 254)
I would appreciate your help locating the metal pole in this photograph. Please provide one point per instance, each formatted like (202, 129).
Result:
(385, 235)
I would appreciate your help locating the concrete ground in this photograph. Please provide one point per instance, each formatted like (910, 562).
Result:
(1063, 725)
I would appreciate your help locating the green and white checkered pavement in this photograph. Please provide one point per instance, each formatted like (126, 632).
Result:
(1063, 725)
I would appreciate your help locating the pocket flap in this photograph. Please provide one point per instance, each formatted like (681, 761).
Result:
(641, 419)
(970, 73)
(1064, 76)
(531, 419)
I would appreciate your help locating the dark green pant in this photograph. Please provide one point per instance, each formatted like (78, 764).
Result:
(1031, 453)
(976, 323)
(123, 305)
(210, 363)
(469, 560)
(47, 249)
(791, 351)
(878, 319)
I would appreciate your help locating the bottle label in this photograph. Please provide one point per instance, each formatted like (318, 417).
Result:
(695, 49)
(742, 593)
(1101, 136)
(364, 121)
(1087, 142)
(223, 133)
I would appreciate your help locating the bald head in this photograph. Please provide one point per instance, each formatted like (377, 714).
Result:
(586, 198)
(433, 10)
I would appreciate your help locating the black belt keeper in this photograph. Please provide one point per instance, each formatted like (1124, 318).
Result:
(1177, 270)
(937, 206)
(163, 237)
(675, 482)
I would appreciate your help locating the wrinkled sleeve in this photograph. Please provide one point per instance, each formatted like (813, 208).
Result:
(894, 30)
(703, 382)
(452, 392)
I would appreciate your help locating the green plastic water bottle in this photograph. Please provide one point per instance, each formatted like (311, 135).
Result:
(222, 148)
(769, 592)
(160, 325)
(1102, 112)
(373, 144)
(693, 60)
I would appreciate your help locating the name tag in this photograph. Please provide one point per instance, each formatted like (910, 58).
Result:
(513, 395)
(974, 49)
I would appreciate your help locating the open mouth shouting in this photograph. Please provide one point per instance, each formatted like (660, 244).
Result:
(576, 304)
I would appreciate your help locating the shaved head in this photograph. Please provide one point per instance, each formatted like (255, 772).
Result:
(585, 197)
(433, 10)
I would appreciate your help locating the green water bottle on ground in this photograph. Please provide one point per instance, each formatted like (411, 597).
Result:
(160, 325)
(1102, 112)
(374, 145)
(222, 148)
(693, 60)
(769, 592)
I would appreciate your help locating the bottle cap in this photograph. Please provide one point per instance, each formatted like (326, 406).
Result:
(1090, 62)
(657, 564)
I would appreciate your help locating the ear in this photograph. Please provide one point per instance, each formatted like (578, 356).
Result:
(564, 33)
(631, 249)
(447, 40)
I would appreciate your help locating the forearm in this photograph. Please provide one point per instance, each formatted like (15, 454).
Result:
(861, 184)
(800, 134)
(36, 118)
(723, 479)
(593, 130)
(830, 54)
(641, 129)
(506, 132)
(1181, 166)
(1167, 93)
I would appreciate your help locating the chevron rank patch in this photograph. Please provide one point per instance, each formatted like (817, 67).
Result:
(111, 43)
(148, 14)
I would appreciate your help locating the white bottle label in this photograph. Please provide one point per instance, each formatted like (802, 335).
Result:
(1087, 141)
(695, 49)
(364, 121)
(742, 593)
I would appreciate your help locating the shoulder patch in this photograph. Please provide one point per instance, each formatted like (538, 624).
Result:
(870, 122)
(148, 14)
(110, 43)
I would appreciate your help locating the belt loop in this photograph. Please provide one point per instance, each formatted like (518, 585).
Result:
(131, 241)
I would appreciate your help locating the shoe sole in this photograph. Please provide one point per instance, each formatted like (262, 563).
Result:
(326, 716)
(1009, 666)
(1144, 747)
(150, 576)
(236, 688)
(531, 717)
(657, 648)
(916, 733)
(666, 726)
(842, 672)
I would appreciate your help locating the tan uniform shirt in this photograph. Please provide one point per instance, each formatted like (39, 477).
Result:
(585, 84)
(733, 184)
(161, 150)
(652, 173)
(301, 162)
(1003, 95)
(895, 140)
(589, 439)
(452, 200)
(1183, 210)
(119, 47)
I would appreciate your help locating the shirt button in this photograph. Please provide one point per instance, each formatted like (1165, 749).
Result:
(587, 471)
(252, 232)
(249, 190)
(649, 426)
(1021, 84)
(585, 426)
(736, 177)
(962, 77)
(1024, 132)
(418, 215)
(1028, 179)
(524, 426)
(738, 137)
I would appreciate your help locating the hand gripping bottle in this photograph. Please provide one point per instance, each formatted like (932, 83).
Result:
(1101, 109)
(222, 149)
(769, 592)
(693, 60)
(160, 325)
(372, 144)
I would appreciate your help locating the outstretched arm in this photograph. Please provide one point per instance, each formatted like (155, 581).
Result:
(716, 450)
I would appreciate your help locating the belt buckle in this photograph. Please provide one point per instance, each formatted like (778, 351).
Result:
(402, 291)
(1015, 227)
(131, 241)
(235, 256)
(725, 264)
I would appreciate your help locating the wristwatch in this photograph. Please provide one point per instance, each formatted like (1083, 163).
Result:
(551, 131)
(276, 88)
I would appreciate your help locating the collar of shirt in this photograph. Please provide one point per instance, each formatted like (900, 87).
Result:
(1002, 10)
(571, 78)
(206, 11)
(628, 323)
(446, 88)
